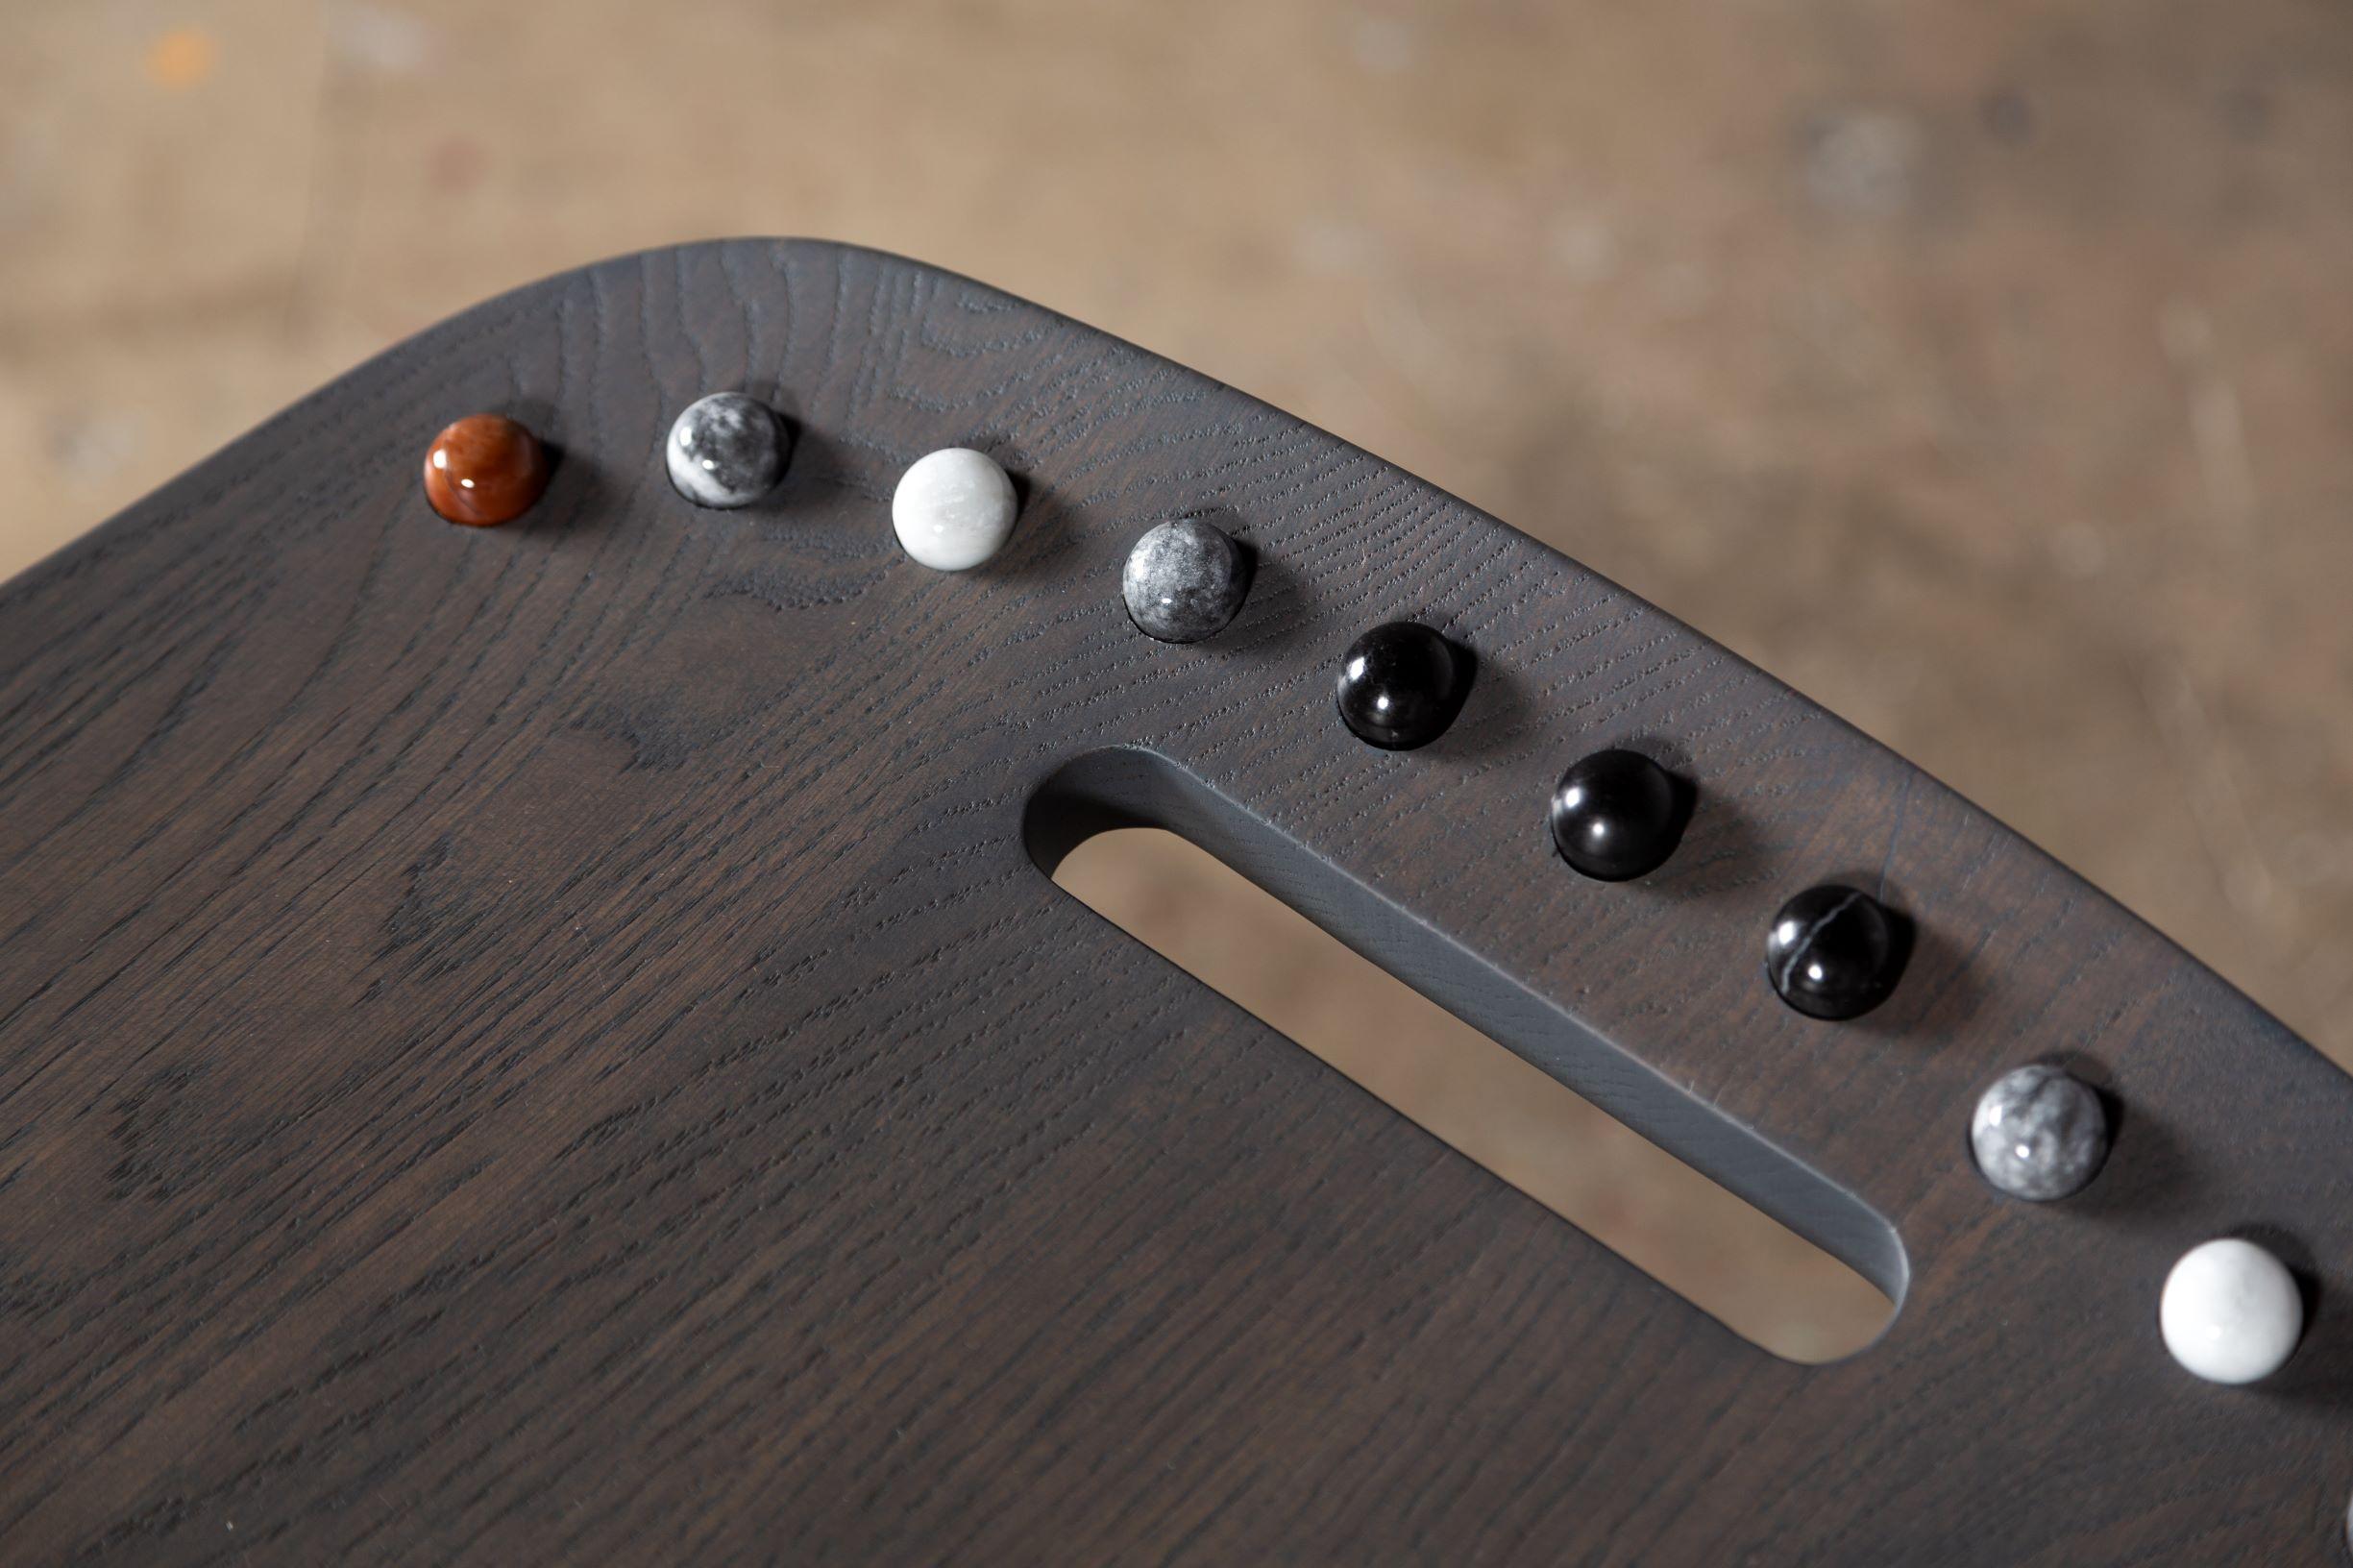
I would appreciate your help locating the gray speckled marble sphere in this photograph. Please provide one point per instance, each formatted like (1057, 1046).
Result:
(1185, 580)
(2040, 1133)
(727, 449)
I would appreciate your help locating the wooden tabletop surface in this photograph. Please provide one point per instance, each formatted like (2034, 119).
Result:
(556, 1042)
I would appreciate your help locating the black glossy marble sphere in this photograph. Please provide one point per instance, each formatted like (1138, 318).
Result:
(726, 450)
(1616, 815)
(1833, 952)
(1401, 685)
(1184, 580)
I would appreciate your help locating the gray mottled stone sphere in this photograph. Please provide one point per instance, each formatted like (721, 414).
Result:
(726, 450)
(1185, 580)
(2039, 1132)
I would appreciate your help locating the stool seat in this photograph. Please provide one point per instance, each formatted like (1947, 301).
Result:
(556, 1040)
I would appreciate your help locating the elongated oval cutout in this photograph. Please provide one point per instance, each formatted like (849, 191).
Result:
(1753, 1274)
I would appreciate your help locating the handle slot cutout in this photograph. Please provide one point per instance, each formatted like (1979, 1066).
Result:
(1380, 996)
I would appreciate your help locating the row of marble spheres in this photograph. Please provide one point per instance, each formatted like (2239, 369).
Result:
(2230, 1311)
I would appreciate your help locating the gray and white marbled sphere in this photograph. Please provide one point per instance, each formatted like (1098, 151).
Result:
(1185, 580)
(726, 450)
(2040, 1133)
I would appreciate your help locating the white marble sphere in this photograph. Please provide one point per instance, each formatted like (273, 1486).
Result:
(953, 509)
(2231, 1312)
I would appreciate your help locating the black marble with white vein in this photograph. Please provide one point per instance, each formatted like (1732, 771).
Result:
(726, 450)
(1184, 580)
(2040, 1133)
(1833, 952)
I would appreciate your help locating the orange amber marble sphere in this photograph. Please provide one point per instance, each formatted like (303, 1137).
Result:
(485, 468)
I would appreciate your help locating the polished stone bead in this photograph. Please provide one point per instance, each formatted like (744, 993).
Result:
(1185, 580)
(1833, 952)
(485, 468)
(953, 509)
(1401, 685)
(2231, 1312)
(2039, 1132)
(1616, 815)
(726, 450)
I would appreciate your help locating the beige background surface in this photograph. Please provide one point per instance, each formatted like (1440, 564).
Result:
(1985, 370)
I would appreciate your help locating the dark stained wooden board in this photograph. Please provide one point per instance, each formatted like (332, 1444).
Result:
(554, 1043)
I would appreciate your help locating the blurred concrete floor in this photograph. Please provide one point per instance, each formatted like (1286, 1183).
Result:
(1985, 370)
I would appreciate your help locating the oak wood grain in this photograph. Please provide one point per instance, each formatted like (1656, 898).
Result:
(554, 1042)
